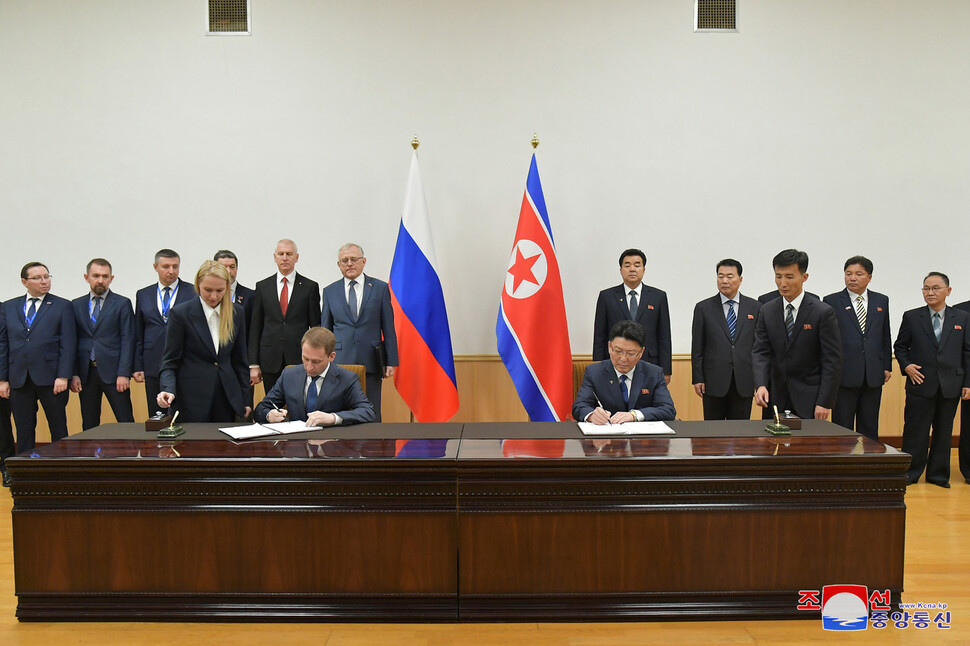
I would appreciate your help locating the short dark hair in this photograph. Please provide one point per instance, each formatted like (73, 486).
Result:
(729, 262)
(31, 265)
(633, 252)
(225, 253)
(165, 253)
(791, 257)
(946, 279)
(97, 261)
(319, 337)
(629, 330)
(859, 260)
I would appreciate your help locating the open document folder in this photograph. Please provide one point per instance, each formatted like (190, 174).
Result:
(630, 428)
(267, 430)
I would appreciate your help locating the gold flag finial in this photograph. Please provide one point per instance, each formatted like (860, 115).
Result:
(535, 141)
(415, 143)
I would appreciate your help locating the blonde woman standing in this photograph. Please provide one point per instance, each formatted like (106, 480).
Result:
(205, 369)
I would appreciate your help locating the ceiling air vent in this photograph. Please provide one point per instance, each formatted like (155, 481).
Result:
(228, 17)
(715, 15)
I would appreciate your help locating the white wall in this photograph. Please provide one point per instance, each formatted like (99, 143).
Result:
(837, 126)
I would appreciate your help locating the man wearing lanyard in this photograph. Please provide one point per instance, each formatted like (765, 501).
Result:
(105, 347)
(37, 343)
(152, 305)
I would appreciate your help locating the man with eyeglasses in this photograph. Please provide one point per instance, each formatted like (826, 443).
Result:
(37, 344)
(635, 301)
(797, 345)
(933, 350)
(152, 305)
(357, 308)
(625, 388)
(105, 325)
(287, 305)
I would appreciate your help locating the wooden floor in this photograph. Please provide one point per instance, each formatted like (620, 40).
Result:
(937, 570)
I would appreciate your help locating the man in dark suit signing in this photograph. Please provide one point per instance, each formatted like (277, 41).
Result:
(722, 337)
(319, 392)
(358, 310)
(625, 388)
(37, 342)
(287, 305)
(933, 350)
(105, 354)
(797, 345)
(867, 355)
(152, 305)
(635, 301)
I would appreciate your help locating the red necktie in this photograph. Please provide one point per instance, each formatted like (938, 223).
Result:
(284, 297)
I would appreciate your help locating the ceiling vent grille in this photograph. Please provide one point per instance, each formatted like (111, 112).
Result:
(715, 15)
(228, 17)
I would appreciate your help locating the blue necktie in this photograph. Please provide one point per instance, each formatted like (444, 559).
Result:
(789, 319)
(311, 396)
(626, 391)
(95, 313)
(31, 312)
(352, 300)
(166, 303)
(937, 326)
(633, 305)
(732, 319)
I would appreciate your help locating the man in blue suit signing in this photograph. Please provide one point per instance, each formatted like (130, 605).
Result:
(37, 344)
(625, 388)
(105, 325)
(319, 392)
(358, 310)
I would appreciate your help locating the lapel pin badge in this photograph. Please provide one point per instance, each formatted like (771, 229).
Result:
(645, 391)
(649, 307)
(751, 317)
(807, 326)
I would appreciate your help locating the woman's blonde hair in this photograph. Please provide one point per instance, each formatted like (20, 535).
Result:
(227, 323)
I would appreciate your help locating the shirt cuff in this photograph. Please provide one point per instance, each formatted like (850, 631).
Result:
(337, 420)
(637, 415)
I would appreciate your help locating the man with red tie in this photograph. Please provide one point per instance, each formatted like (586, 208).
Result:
(285, 306)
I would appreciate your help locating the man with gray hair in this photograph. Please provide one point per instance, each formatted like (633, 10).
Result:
(286, 305)
(358, 310)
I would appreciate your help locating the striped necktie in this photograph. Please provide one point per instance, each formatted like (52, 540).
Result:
(732, 319)
(860, 311)
(790, 319)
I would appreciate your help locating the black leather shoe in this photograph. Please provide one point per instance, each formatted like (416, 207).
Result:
(945, 485)
(6, 476)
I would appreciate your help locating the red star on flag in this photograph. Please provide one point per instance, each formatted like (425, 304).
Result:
(522, 269)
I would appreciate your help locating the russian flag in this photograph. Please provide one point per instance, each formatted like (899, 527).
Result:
(533, 339)
(425, 378)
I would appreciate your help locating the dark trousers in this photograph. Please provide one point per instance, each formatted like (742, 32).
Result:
(858, 409)
(23, 403)
(730, 406)
(919, 415)
(965, 440)
(7, 446)
(90, 399)
(152, 387)
(373, 393)
(269, 380)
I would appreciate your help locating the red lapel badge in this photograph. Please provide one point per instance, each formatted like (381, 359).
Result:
(878, 309)
(957, 327)
(807, 326)
(751, 317)
(649, 307)
(645, 391)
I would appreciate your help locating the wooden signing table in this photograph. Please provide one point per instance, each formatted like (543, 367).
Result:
(446, 522)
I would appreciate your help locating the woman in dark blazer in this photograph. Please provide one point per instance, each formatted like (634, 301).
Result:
(205, 369)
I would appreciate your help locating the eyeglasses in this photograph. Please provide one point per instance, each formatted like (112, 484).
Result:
(625, 353)
(350, 261)
(935, 288)
(41, 278)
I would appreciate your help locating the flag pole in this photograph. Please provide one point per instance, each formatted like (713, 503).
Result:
(414, 146)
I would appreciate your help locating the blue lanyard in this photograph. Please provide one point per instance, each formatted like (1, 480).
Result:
(30, 320)
(166, 303)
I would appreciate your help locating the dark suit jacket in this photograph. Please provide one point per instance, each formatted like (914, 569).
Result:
(865, 357)
(804, 371)
(648, 392)
(193, 370)
(46, 351)
(112, 337)
(247, 298)
(357, 340)
(770, 296)
(944, 365)
(274, 342)
(652, 313)
(340, 393)
(150, 328)
(715, 358)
